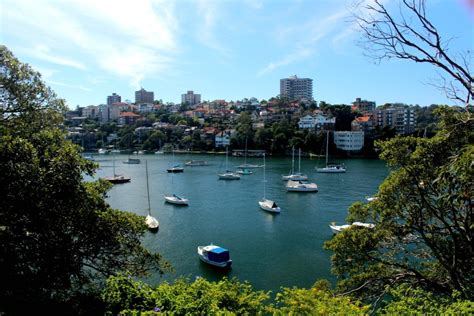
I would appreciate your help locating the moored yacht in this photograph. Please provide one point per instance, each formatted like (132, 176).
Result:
(336, 229)
(301, 186)
(215, 255)
(175, 199)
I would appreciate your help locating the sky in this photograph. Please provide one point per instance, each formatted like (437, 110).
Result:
(221, 49)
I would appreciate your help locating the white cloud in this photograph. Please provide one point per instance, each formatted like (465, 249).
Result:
(132, 40)
(208, 12)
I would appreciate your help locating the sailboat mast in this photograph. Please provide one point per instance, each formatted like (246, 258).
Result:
(327, 148)
(264, 176)
(113, 162)
(299, 161)
(147, 187)
(293, 160)
(245, 158)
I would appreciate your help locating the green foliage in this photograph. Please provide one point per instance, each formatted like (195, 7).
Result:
(318, 300)
(423, 217)
(124, 295)
(407, 300)
(59, 237)
(27, 104)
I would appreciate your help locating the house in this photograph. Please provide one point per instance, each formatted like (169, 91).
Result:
(128, 118)
(222, 139)
(362, 123)
(317, 122)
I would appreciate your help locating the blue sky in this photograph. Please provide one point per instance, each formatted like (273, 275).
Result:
(87, 49)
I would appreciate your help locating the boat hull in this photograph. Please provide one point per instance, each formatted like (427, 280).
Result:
(118, 180)
(229, 176)
(175, 170)
(266, 205)
(204, 258)
(331, 170)
(294, 177)
(176, 201)
(152, 223)
(132, 161)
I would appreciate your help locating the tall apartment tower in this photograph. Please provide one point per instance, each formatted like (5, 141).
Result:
(143, 96)
(114, 98)
(295, 88)
(191, 98)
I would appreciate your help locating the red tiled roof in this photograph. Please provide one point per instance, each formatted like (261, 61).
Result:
(362, 119)
(129, 114)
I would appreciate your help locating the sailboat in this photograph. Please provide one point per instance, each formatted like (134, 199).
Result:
(176, 167)
(151, 222)
(175, 199)
(331, 167)
(298, 176)
(117, 178)
(266, 204)
(228, 174)
(245, 165)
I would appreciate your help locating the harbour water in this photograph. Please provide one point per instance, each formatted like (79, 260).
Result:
(268, 250)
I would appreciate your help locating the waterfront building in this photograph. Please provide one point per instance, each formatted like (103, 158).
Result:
(348, 140)
(114, 98)
(143, 96)
(317, 122)
(295, 88)
(402, 119)
(190, 98)
(222, 139)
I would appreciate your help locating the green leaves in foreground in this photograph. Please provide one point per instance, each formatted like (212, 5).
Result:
(123, 295)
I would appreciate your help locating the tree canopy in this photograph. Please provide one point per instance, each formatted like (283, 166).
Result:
(423, 217)
(57, 232)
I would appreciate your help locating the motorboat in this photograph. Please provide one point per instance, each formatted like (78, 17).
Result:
(244, 172)
(295, 176)
(175, 199)
(371, 198)
(269, 206)
(159, 152)
(175, 169)
(336, 229)
(102, 151)
(301, 186)
(331, 167)
(215, 255)
(132, 161)
(118, 179)
(193, 163)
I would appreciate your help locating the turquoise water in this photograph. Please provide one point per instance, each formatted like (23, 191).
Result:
(269, 250)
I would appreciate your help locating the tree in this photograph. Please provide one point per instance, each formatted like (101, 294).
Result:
(59, 237)
(423, 217)
(412, 36)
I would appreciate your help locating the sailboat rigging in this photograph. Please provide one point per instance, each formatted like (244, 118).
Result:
(330, 167)
(266, 204)
(173, 198)
(116, 178)
(298, 176)
(151, 222)
(228, 174)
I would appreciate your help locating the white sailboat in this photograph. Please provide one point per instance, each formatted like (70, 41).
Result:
(331, 167)
(245, 165)
(295, 176)
(151, 222)
(228, 174)
(336, 229)
(175, 199)
(266, 204)
(301, 186)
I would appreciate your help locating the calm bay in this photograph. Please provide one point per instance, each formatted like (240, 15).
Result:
(268, 250)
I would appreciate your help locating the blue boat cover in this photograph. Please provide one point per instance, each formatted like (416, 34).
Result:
(218, 255)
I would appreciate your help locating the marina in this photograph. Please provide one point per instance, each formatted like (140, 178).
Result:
(269, 250)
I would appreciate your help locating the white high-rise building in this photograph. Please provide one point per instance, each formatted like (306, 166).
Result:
(295, 88)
